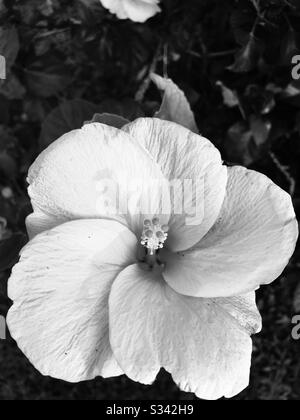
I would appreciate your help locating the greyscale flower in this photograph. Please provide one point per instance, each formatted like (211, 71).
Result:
(109, 294)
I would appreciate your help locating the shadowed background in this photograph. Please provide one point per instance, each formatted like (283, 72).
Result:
(67, 60)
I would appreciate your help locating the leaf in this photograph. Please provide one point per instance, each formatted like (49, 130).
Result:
(290, 91)
(46, 78)
(237, 144)
(259, 100)
(291, 95)
(73, 114)
(42, 45)
(126, 108)
(245, 142)
(260, 130)
(10, 249)
(68, 116)
(9, 45)
(109, 119)
(175, 106)
(247, 58)
(45, 84)
(230, 97)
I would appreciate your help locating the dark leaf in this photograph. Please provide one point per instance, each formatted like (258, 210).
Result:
(45, 84)
(246, 59)
(42, 45)
(126, 108)
(259, 100)
(109, 119)
(260, 130)
(68, 116)
(237, 144)
(245, 143)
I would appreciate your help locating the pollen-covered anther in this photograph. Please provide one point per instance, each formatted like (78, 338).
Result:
(154, 235)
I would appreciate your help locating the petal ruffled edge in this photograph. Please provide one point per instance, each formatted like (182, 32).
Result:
(203, 343)
(249, 246)
(60, 289)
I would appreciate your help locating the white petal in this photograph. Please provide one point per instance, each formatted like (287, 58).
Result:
(140, 10)
(38, 222)
(116, 7)
(185, 156)
(250, 245)
(136, 10)
(203, 343)
(60, 290)
(79, 177)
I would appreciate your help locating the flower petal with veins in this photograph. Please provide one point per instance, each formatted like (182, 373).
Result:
(60, 290)
(72, 179)
(183, 155)
(250, 245)
(203, 343)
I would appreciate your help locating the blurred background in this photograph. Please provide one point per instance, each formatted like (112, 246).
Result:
(68, 59)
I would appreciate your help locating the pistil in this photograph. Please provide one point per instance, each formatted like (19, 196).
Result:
(154, 236)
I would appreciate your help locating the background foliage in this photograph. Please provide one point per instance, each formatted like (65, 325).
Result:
(68, 59)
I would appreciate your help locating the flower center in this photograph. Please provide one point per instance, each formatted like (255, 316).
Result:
(154, 235)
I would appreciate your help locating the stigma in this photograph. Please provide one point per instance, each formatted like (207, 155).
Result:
(154, 235)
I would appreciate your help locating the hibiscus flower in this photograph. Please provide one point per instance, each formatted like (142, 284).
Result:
(103, 294)
(136, 10)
